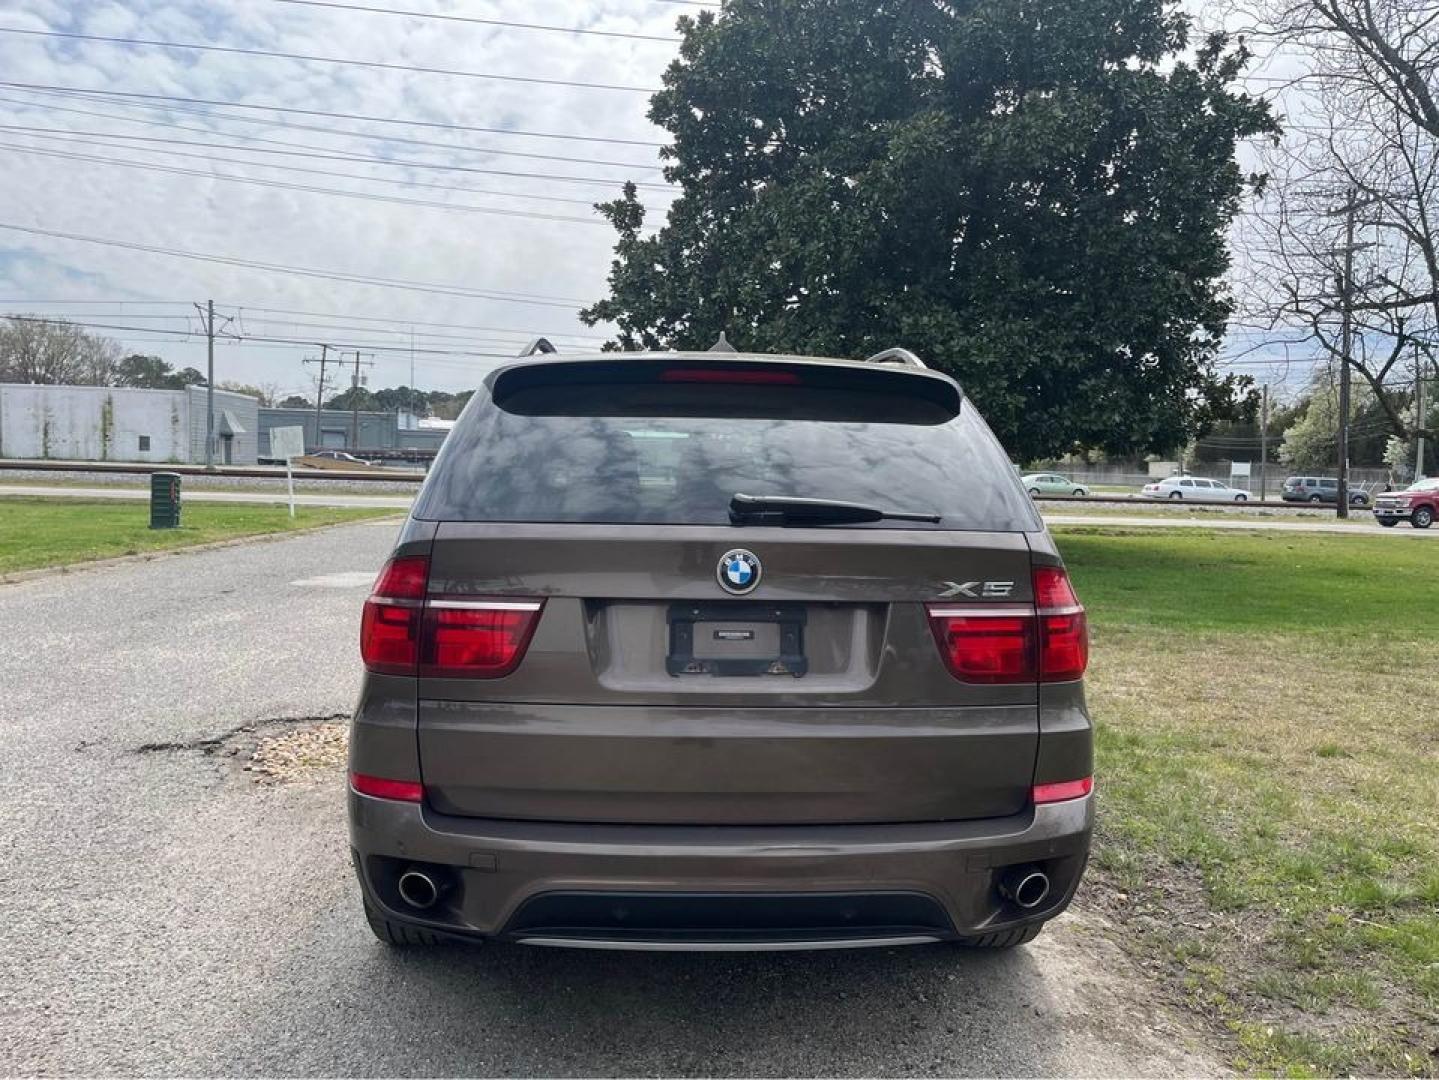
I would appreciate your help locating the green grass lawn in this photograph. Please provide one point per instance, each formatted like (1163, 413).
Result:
(1268, 762)
(37, 532)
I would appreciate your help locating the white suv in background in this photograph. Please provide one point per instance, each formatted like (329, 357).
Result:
(1194, 487)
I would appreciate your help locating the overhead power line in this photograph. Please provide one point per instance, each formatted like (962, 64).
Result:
(478, 21)
(428, 144)
(278, 268)
(222, 337)
(363, 117)
(275, 54)
(291, 125)
(248, 324)
(391, 320)
(399, 321)
(257, 181)
(300, 169)
(70, 134)
(152, 303)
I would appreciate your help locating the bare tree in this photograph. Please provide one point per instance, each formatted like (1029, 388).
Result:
(34, 349)
(99, 361)
(1363, 124)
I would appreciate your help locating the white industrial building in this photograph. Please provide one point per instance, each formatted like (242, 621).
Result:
(111, 423)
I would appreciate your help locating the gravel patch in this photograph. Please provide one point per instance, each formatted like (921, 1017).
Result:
(304, 756)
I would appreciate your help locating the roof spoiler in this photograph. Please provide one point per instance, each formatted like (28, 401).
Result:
(899, 357)
(538, 346)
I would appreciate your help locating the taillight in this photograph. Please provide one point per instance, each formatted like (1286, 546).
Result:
(979, 645)
(390, 625)
(1063, 791)
(1063, 629)
(993, 643)
(380, 787)
(479, 638)
(404, 632)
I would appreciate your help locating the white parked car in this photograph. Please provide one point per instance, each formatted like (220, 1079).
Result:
(1194, 487)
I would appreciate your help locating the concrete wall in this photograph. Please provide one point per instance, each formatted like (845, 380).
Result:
(93, 423)
(244, 447)
(107, 423)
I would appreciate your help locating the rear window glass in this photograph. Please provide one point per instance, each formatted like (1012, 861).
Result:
(659, 454)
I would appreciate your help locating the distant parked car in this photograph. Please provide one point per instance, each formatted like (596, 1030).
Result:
(1194, 487)
(1416, 504)
(1046, 483)
(1319, 489)
(340, 455)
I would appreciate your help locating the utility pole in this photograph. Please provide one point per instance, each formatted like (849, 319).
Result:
(1346, 299)
(207, 316)
(323, 359)
(1418, 414)
(1264, 444)
(355, 402)
(1351, 207)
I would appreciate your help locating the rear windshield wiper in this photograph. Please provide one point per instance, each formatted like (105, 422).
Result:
(792, 510)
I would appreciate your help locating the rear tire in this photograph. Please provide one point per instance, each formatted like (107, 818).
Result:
(1003, 939)
(1422, 518)
(1079, 493)
(1176, 494)
(398, 935)
(1033, 492)
(1241, 498)
(1315, 499)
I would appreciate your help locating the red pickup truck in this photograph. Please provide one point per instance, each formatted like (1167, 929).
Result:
(1417, 504)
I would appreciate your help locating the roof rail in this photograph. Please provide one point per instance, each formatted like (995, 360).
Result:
(902, 357)
(539, 345)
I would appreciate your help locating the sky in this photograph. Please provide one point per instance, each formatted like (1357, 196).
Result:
(506, 247)
(473, 241)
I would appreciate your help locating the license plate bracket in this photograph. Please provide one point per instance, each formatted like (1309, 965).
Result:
(729, 621)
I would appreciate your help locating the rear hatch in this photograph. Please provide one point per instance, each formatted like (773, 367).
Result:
(677, 656)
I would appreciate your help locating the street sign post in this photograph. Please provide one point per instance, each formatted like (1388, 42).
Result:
(1239, 470)
(287, 443)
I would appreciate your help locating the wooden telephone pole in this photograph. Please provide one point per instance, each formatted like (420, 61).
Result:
(322, 360)
(355, 401)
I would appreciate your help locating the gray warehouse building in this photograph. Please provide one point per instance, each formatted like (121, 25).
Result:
(378, 432)
(111, 423)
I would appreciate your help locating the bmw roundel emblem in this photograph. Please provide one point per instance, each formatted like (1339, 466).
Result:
(739, 571)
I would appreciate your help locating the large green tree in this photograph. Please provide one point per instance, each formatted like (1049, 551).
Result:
(1031, 194)
(153, 373)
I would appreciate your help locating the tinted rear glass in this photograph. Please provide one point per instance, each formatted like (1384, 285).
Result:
(675, 454)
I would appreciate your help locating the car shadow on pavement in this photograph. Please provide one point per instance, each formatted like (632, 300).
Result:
(909, 1010)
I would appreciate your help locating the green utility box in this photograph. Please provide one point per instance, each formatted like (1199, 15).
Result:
(164, 500)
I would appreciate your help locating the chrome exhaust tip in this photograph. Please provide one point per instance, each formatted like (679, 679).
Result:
(419, 889)
(1026, 886)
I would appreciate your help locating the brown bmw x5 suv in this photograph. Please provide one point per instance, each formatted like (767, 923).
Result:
(721, 651)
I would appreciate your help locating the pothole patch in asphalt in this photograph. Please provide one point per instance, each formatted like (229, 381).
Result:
(280, 750)
(305, 755)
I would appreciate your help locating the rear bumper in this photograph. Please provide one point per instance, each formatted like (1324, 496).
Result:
(717, 887)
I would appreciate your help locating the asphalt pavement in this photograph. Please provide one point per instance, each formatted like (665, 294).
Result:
(164, 913)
